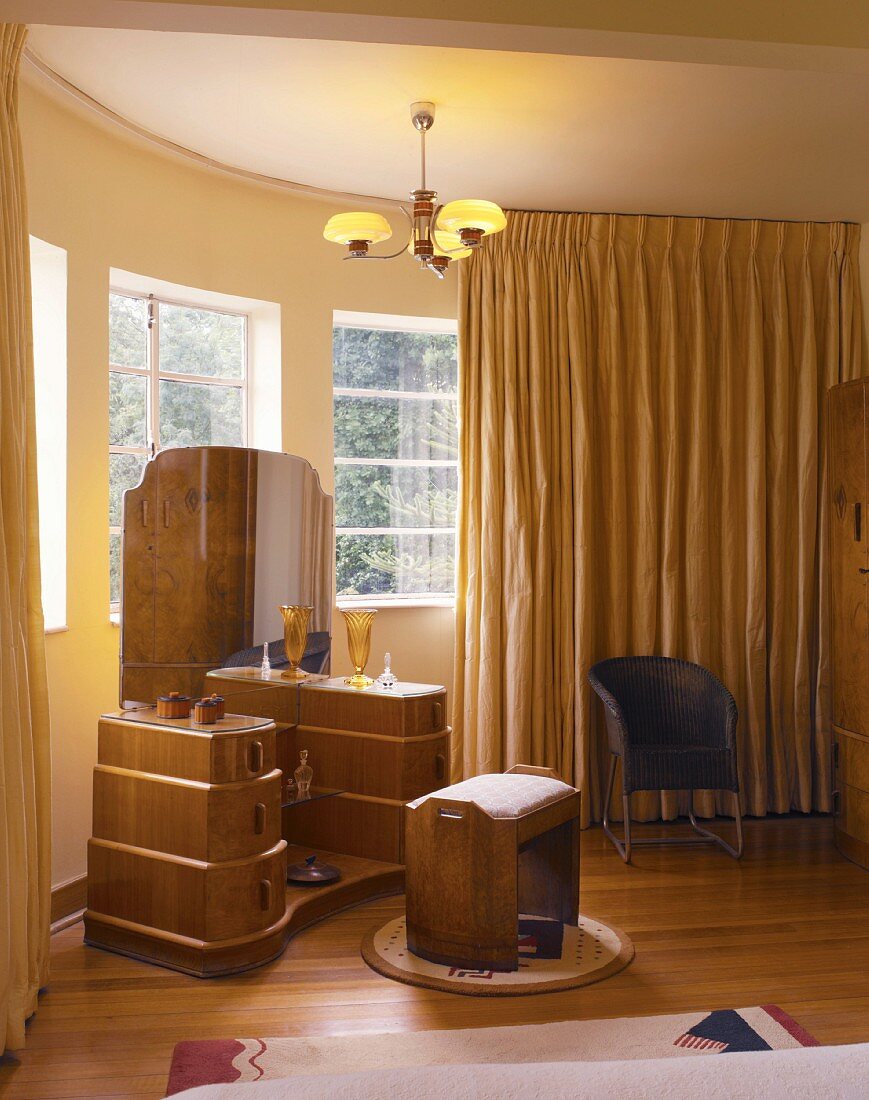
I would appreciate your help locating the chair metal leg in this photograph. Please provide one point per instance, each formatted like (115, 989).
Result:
(704, 836)
(714, 838)
(624, 849)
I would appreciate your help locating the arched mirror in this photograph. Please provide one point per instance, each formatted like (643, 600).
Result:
(215, 539)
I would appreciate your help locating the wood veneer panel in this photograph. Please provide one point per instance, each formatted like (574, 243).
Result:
(372, 765)
(184, 818)
(399, 716)
(354, 824)
(204, 901)
(853, 761)
(849, 553)
(201, 756)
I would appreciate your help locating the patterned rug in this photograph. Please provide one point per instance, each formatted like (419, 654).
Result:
(552, 956)
(686, 1034)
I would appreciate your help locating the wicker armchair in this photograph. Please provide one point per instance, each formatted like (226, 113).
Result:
(674, 726)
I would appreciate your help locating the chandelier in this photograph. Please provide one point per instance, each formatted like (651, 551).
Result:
(438, 233)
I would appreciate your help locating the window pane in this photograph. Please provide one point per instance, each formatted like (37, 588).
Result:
(373, 359)
(125, 471)
(128, 331)
(114, 568)
(196, 415)
(128, 404)
(391, 427)
(411, 564)
(200, 341)
(395, 496)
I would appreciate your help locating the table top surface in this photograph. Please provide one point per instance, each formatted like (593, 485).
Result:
(230, 723)
(403, 689)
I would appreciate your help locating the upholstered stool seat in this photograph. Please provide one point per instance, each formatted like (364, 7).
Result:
(503, 795)
(482, 851)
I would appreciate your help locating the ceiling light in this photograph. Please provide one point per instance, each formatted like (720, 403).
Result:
(438, 234)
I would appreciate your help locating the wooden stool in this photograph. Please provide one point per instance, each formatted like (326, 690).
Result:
(481, 852)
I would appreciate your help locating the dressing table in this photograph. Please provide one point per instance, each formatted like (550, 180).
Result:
(193, 829)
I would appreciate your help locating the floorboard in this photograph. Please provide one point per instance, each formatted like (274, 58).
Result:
(788, 925)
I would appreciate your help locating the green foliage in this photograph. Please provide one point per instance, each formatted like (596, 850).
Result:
(128, 405)
(195, 415)
(376, 359)
(388, 428)
(200, 341)
(128, 331)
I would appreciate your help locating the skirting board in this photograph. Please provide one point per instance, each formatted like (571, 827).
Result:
(68, 902)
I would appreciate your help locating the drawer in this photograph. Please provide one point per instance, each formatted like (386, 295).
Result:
(368, 764)
(184, 818)
(392, 716)
(206, 755)
(204, 901)
(258, 698)
(853, 762)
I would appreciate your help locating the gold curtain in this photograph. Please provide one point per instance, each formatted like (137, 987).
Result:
(643, 459)
(25, 800)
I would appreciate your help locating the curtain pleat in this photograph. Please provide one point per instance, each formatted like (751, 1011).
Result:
(25, 801)
(642, 440)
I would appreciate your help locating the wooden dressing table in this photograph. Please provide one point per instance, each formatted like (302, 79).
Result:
(192, 832)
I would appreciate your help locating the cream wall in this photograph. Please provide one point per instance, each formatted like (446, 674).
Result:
(111, 203)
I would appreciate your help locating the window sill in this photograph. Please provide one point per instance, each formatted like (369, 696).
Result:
(56, 629)
(389, 602)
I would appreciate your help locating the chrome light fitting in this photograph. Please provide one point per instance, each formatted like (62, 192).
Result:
(438, 233)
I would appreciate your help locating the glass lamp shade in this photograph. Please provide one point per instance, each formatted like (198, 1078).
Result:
(479, 214)
(358, 226)
(446, 244)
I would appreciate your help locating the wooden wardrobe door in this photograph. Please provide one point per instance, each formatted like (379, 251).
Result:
(849, 550)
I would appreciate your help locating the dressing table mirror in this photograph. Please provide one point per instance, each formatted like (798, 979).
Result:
(215, 539)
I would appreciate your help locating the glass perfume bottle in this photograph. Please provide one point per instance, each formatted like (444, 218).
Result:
(266, 666)
(386, 678)
(304, 774)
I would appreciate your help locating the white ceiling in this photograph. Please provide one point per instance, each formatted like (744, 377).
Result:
(526, 130)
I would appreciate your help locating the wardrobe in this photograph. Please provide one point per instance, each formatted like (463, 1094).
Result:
(848, 411)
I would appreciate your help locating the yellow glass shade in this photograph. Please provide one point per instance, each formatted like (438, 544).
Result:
(472, 214)
(450, 244)
(444, 243)
(358, 226)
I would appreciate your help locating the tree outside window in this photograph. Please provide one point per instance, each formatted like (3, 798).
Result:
(177, 378)
(396, 461)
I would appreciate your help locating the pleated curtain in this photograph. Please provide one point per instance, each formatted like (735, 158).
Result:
(642, 448)
(25, 803)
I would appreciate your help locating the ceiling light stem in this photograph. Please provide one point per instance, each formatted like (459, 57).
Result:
(422, 159)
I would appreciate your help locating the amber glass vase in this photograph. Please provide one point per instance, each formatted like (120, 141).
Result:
(358, 620)
(295, 638)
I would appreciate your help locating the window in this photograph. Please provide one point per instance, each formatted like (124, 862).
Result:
(177, 378)
(48, 294)
(396, 456)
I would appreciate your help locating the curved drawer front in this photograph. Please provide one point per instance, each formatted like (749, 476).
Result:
(204, 901)
(184, 818)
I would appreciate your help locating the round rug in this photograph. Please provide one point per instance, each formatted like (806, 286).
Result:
(552, 956)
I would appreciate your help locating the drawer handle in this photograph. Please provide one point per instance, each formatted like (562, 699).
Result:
(256, 756)
(259, 818)
(440, 766)
(454, 815)
(265, 894)
(437, 715)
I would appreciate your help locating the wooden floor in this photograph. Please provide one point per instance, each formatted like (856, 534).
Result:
(788, 925)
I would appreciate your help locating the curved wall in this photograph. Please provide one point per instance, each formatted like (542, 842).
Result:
(113, 203)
